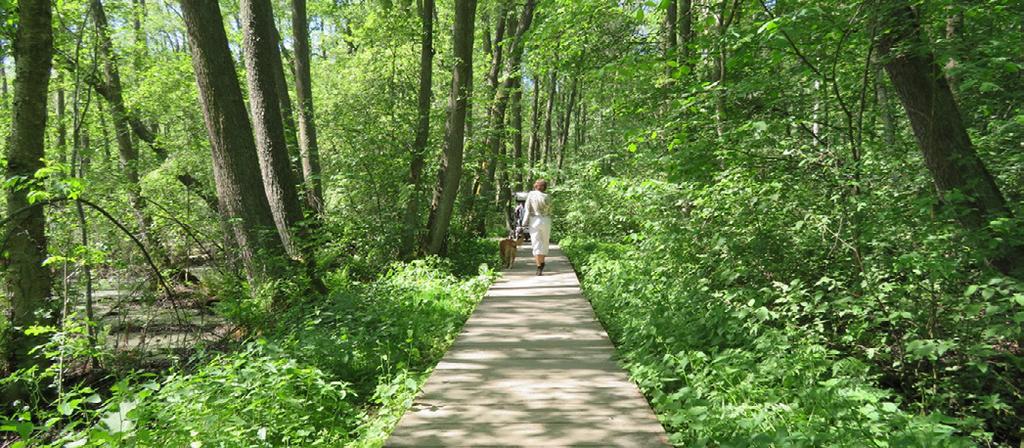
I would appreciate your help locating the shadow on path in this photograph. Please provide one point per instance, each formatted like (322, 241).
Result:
(531, 367)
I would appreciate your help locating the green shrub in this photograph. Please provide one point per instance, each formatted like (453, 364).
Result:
(746, 311)
(327, 372)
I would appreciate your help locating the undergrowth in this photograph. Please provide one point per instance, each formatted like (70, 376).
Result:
(331, 371)
(743, 329)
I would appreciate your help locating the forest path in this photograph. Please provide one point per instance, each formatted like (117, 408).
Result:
(531, 367)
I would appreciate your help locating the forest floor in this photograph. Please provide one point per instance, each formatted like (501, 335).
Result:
(349, 363)
(132, 319)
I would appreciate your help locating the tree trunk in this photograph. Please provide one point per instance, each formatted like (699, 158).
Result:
(80, 145)
(27, 281)
(959, 174)
(419, 146)
(127, 151)
(563, 138)
(450, 173)
(262, 59)
(62, 130)
(308, 148)
(515, 175)
(685, 29)
(104, 134)
(138, 17)
(239, 190)
(497, 50)
(479, 199)
(547, 117)
(495, 136)
(287, 111)
(534, 148)
(669, 33)
(723, 20)
(581, 121)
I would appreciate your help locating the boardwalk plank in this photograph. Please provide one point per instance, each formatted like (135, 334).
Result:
(531, 367)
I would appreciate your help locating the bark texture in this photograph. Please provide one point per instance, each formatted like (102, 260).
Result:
(685, 28)
(239, 191)
(419, 146)
(284, 99)
(496, 135)
(515, 174)
(450, 172)
(959, 174)
(28, 282)
(563, 138)
(548, 112)
(534, 147)
(670, 35)
(308, 149)
(262, 62)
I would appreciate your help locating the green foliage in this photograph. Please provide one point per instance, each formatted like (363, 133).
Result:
(324, 372)
(739, 337)
(254, 397)
(768, 249)
(750, 213)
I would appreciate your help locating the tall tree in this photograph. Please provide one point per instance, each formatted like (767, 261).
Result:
(62, 130)
(495, 137)
(262, 63)
(308, 149)
(534, 147)
(885, 110)
(239, 191)
(959, 174)
(138, 18)
(515, 174)
(477, 200)
(129, 154)
(450, 172)
(563, 137)
(141, 130)
(685, 28)
(548, 113)
(581, 120)
(419, 147)
(287, 111)
(726, 14)
(669, 35)
(27, 281)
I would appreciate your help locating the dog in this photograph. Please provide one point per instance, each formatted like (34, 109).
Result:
(508, 248)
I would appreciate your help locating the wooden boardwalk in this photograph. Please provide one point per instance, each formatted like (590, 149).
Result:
(532, 367)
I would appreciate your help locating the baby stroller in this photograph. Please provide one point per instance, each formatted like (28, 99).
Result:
(517, 228)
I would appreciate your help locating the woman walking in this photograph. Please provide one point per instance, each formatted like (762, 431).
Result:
(537, 218)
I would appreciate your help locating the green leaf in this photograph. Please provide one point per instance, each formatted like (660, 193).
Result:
(38, 196)
(118, 421)
(768, 27)
(37, 330)
(988, 87)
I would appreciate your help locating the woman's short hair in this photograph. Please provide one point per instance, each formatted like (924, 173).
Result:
(541, 184)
